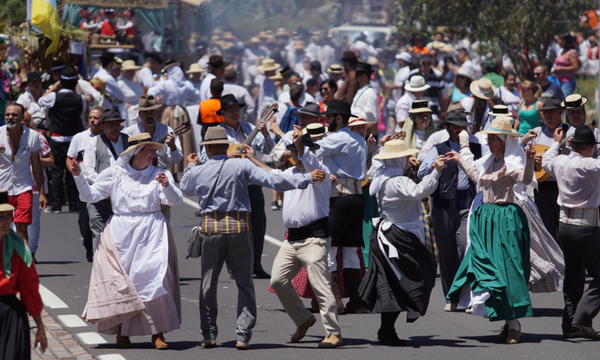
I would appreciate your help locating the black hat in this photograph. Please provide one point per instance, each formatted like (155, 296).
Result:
(338, 107)
(57, 65)
(33, 76)
(348, 55)
(216, 62)
(552, 102)
(584, 135)
(364, 68)
(110, 115)
(68, 79)
(457, 117)
(310, 108)
(315, 65)
(286, 71)
(227, 101)
(172, 62)
(306, 141)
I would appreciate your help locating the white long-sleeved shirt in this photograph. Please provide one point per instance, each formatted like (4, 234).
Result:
(577, 177)
(173, 94)
(147, 77)
(205, 87)
(166, 157)
(112, 88)
(365, 103)
(345, 154)
(403, 105)
(303, 206)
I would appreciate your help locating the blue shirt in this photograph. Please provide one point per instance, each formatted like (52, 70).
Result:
(344, 152)
(238, 136)
(231, 192)
(425, 168)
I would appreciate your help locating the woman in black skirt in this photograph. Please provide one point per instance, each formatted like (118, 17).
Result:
(401, 270)
(17, 276)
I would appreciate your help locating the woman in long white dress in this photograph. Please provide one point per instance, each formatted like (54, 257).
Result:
(134, 285)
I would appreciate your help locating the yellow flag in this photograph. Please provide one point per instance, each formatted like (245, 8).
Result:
(44, 16)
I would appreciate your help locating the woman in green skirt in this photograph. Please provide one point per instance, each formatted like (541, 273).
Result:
(495, 271)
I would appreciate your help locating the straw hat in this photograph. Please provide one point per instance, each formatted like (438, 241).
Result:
(574, 101)
(254, 40)
(437, 45)
(501, 125)
(300, 45)
(142, 139)
(465, 71)
(277, 76)
(394, 149)
(228, 35)
(315, 130)
(215, 135)
(171, 62)
(455, 105)
(334, 69)
(99, 84)
(147, 103)
(500, 110)
(195, 68)
(419, 106)
(483, 89)
(447, 48)
(230, 71)
(417, 83)
(268, 65)
(129, 65)
(358, 120)
(4, 205)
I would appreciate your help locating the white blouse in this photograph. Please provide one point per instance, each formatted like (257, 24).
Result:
(138, 227)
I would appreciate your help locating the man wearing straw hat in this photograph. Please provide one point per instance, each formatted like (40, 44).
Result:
(451, 200)
(267, 88)
(578, 179)
(101, 153)
(196, 71)
(217, 181)
(434, 79)
(231, 87)
(414, 90)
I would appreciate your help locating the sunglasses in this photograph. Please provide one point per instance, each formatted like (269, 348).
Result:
(538, 74)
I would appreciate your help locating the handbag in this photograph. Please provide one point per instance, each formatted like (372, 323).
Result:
(195, 241)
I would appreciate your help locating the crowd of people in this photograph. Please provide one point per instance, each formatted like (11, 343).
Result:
(382, 169)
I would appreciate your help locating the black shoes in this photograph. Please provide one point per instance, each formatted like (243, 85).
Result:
(389, 339)
(261, 274)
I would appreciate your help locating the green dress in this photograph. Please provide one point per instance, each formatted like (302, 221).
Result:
(497, 261)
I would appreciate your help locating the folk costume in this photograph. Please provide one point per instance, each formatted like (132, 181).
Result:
(134, 285)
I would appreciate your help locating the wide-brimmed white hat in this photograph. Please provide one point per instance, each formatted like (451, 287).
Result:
(501, 125)
(395, 149)
(215, 135)
(129, 65)
(500, 110)
(359, 119)
(465, 71)
(138, 140)
(268, 65)
(315, 130)
(574, 101)
(483, 89)
(419, 106)
(417, 83)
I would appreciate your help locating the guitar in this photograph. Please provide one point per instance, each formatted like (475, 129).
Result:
(180, 130)
(540, 174)
(267, 115)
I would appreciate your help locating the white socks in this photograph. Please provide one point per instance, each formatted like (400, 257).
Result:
(513, 324)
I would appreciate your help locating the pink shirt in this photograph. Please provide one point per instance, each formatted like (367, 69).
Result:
(563, 60)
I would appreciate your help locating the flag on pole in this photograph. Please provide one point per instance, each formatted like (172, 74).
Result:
(44, 16)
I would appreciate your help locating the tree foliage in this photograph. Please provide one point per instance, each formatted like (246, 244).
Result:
(513, 26)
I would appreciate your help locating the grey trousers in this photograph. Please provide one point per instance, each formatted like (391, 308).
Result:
(311, 253)
(581, 248)
(450, 227)
(238, 251)
(99, 213)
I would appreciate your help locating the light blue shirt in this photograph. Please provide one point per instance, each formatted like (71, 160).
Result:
(345, 154)
(238, 136)
(425, 168)
(231, 193)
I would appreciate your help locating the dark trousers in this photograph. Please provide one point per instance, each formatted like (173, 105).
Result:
(99, 214)
(258, 219)
(84, 225)
(545, 200)
(450, 227)
(58, 171)
(581, 248)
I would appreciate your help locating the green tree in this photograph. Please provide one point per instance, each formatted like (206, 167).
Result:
(13, 12)
(514, 27)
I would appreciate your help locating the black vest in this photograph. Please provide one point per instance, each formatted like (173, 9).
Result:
(65, 115)
(448, 182)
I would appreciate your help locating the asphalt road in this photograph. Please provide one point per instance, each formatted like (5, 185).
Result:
(64, 270)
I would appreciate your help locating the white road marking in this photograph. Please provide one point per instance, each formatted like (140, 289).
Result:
(111, 357)
(90, 338)
(71, 321)
(195, 205)
(50, 300)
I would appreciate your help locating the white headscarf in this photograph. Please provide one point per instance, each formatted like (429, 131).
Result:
(125, 158)
(382, 170)
(176, 74)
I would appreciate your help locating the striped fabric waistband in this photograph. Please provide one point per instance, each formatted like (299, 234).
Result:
(229, 222)
(579, 216)
(345, 186)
